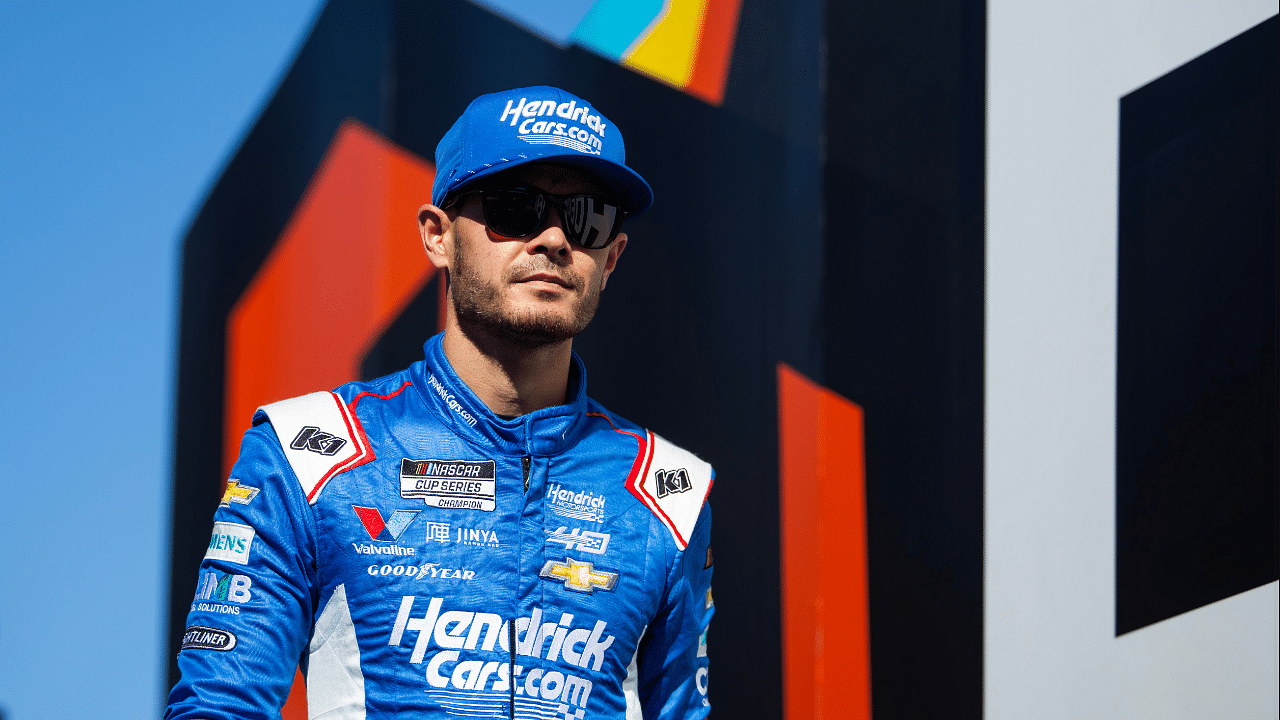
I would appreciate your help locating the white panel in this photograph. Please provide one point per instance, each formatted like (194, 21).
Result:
(335, 682)
(1056, 72)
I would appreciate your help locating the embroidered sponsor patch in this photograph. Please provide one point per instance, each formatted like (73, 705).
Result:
(225, 587)
(702, 644)
(576, 505)
(237, 493)
(476, 537)
(460, 484)
(388, 530)
(585, 540)
(424, 571)
(219, 588)
(580, 576)
(317, 441)
(672, 481)
(200, 637)
(230, 542)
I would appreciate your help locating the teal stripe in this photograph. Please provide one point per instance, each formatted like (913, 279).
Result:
(612, 25)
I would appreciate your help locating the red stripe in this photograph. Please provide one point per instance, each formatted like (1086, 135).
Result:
(639, 470)
(636, 464)
(653, 502)
(355, 429)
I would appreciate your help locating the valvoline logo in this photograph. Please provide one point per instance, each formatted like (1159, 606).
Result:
(389, 530)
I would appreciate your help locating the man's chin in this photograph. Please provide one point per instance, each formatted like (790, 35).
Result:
(530, 330)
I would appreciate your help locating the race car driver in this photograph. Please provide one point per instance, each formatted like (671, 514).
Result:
(471, 536)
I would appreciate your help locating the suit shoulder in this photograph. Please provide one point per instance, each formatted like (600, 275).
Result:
(669, 480)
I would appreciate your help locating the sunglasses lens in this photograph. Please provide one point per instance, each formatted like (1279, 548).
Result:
(514, 213)
(590, 222)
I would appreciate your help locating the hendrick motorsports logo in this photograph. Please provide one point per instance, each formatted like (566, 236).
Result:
(579, 506)
(200, 637)
(463, 484)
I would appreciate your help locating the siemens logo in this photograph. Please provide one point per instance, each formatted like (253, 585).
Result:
(231, 542)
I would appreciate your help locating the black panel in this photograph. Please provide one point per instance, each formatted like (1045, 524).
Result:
(1197, 407)
(400, 345)
(903, 327)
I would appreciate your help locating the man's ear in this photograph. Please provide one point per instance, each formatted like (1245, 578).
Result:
(433, 225)
(611, 261)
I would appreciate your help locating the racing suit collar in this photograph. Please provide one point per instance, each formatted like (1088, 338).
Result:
(548, 431)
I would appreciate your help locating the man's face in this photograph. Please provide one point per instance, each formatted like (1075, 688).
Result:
(529, 291)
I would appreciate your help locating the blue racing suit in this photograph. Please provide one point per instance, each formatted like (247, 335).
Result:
(419, 556)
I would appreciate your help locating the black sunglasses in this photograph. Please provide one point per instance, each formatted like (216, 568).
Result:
(589, 221)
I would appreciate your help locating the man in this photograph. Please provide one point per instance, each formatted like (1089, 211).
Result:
(471, 536)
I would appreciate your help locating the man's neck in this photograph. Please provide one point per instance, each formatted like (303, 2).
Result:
(511, 380)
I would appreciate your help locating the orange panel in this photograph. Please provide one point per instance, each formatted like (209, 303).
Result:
(826, 649)
(715, 51)
(345, 267)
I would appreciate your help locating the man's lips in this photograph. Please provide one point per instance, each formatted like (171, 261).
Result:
(547, 278)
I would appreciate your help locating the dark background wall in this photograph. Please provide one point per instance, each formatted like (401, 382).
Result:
(827, 215)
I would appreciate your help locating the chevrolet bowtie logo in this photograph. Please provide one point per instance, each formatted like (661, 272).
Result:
(580, 576)
(237, 493)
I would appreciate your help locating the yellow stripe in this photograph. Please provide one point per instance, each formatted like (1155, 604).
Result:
(669, 46)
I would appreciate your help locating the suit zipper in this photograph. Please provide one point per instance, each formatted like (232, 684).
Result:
(511, 670)
(525, 462)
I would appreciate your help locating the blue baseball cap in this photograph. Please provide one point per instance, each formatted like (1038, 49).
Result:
(536, 124)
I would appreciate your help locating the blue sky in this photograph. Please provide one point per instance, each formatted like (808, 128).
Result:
(115, 120)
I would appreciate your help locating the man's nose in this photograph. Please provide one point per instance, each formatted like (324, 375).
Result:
(552, 240)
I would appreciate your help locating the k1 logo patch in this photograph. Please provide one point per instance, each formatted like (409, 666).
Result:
(318, 441)
(460, 484)
(672, 481)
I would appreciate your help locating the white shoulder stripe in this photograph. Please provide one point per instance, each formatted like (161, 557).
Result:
(673, 483)
(320, 436)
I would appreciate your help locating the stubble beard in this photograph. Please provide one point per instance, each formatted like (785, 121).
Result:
(478, 304)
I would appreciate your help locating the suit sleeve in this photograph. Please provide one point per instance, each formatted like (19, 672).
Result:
(252, 614)
(673, 663)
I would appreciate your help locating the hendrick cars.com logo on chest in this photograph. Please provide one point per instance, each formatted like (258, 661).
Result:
(462, 484)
